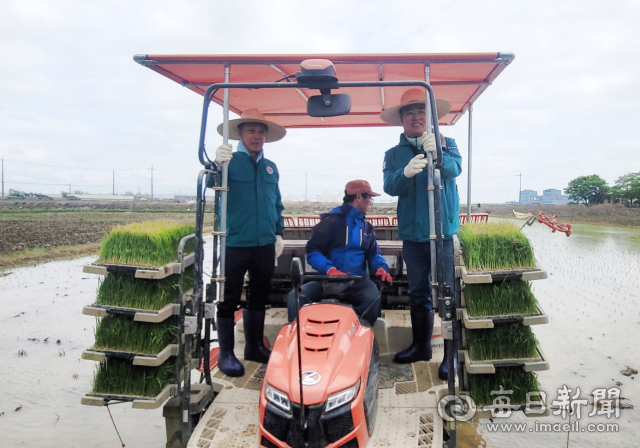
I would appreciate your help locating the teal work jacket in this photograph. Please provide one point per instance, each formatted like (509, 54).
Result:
(254, 204)
(413, 205)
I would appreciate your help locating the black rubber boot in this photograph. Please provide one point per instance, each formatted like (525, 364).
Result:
(254, 350)
(443, 370)
(422, 328)
(227, 361)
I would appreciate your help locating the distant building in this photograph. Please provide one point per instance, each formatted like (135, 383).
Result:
(554, 197)
(187, 199)
(528, 197)
(330, 197)
(550, 196)
(99, 197)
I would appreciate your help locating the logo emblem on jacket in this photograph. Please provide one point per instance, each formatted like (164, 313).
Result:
(269, 170)
(310, 378)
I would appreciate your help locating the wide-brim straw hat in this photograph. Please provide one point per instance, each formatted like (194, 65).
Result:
(275, 132)
(412, 96)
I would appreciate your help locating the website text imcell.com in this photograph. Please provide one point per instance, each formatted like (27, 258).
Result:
(552, 427)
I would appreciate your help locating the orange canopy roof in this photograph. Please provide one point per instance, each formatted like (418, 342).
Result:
(459, 78)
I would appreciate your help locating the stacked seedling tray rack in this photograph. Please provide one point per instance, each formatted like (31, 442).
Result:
(140, 314)
(496, 309)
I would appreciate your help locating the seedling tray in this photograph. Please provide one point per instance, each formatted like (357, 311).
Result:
(534, 409)
(171, 390)
(524, 274)
(172, 309)
(153, 273)
(476, 323)
(139, 359)
(490, 365)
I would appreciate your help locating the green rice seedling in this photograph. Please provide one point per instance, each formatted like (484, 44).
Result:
(512, 341)
(499, 299)
(129, 292)
(492, 246)
(124, 334)
(152, 243)
(120, 377)
(510, 378)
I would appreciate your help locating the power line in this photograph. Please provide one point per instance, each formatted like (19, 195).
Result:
(62, 167)
(151, 182)
(40, 183)
(96, 169)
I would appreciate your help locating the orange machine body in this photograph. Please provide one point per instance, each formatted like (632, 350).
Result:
(338, 352)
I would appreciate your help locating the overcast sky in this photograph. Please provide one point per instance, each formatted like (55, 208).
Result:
(74, 105)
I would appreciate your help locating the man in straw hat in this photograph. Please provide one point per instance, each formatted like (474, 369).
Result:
(254, 235)
(405, 177)
(343, 243)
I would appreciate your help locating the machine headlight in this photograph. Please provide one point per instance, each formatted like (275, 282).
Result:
(278, 398)
(342, 397)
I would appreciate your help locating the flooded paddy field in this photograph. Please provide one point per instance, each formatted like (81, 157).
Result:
(591, 296)
(42, 378)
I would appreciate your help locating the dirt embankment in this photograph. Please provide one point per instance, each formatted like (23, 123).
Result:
(606, 214)
(130, 206)
(30, 234)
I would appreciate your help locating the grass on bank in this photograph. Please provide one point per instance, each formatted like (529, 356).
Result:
(124, 334)
(129, 292)
(512, 341)
(494, 246)
(120, 377)
(499, 299)
(510, 378)
(153, 243)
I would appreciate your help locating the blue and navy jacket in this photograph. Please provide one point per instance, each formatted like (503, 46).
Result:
(344, 240)
(413, 204)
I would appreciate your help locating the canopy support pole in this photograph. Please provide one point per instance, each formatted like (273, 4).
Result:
(225, 185)
(469, 164)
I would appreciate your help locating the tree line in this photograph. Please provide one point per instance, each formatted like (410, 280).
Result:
(593, 189)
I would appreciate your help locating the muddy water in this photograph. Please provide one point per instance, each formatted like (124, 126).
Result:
(592, 297)
(44, 303)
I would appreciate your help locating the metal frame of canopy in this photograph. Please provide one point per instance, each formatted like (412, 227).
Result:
(440, 291)
(457, 77)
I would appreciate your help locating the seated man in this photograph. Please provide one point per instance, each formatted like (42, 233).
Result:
(341, 244)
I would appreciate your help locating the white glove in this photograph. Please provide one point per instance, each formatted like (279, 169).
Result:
(415, 166)
(429, 144)
(223, 154)
(279, 246)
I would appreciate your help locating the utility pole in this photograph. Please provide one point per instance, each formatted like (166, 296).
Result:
(69, 188)
(305, 185)
(520, 190)
(151, 182)
(2, 177)
(114, 183)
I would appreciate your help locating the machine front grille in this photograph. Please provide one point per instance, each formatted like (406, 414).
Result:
(339, 426)
(277, 425)
(322, 428)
